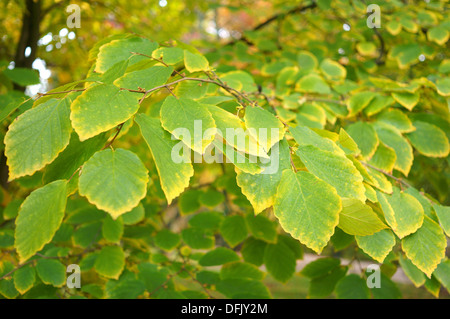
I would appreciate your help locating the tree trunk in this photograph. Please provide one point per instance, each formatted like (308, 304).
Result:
(29, 36)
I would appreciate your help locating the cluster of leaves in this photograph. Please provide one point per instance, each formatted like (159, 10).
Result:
(349, 127)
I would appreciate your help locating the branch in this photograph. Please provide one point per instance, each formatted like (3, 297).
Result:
(273, 18)
(379, 60)
(398, 180)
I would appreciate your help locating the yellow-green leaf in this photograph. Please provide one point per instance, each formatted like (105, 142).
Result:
(426, 247)
(307, 208)
(114, 181)
(101, 108)
(36, 137)
(39, 218)
(174, 176)
(357, 218)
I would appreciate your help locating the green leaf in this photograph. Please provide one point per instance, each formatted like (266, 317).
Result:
(302, 213)
(320, 267)
(402, 212)
(197, 238)
(114, 72)
(397, 119)
(403, 150)
(207, 220)
(416, 276)
(323, 286)
(408, 100)
(114, 181)
(11, 211)
(240, 160)
(433, 286)
(293, 244)
(429, 140)
(189, 121)
(352, 287)
(51, 271)
(211, 198)
(192, 89)
(124, 289)
(387, 290)
(39, 218)
(347, 143)
(438, 34)
(261, 228)
(280, 261)
(174, 176)
(368, 49)
(218, 256)
(122, 49)
(188, 202)
(167, 240)
(335, 169)
(341, 240)
(24, 279)
(22, 76)
(110, 262)
(357, 218)
(306, 60)
(74, 155)
(101, 108)
(443, 86)
(333, 70)
(264, 127)
(253, 251)
(260, 189)
(313, 83)
(239, 80)
(36, 137)
(234, 230)
(87, 234)
(240, 270)
(378, 245)
(112, 230)
(378, 103)
(443, 213)
(384, 158)
(442, 273)
(243, 289)
(133, 217)
(359, 101)
(147, 78)
(170, 55)
(195, 62)
(232, 130)
(426, 247)
(305, 136)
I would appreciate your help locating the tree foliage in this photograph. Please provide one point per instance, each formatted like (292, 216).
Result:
(362, 142)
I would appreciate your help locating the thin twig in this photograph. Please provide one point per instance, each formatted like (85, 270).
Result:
(398, 180)
(119, 128)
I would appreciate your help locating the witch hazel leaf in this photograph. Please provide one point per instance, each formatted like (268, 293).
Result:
(426, 247)
(189, 121)
(264, 127)
(307, 208)
(37, 136)
(402, 212)
(174, 175)
(39, 218)
(101, 108)
(114, 180)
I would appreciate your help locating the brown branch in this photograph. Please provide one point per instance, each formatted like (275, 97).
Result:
(398, 180)
(275, 17)
(119, 128)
